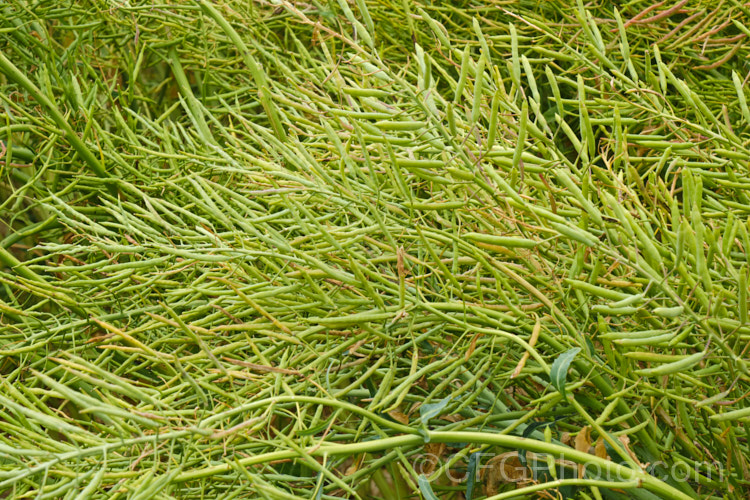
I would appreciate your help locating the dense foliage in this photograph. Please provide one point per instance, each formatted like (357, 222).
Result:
(358, 248)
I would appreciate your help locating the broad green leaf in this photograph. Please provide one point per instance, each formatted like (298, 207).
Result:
(426, 489)
(432, 410)
(471, 472)
(559, 371)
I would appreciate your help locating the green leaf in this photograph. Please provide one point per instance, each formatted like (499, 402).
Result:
(426, 489)
(432, 410)
(471, 472)
(559, 371)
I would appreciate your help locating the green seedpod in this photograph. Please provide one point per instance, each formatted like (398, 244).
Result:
(585, 121)
(354, 319)
(660, 69)
(680, 337)
(680, 243)
(614, 311)
(669, 312)
(503, 241)
(577, 266)
(576, 233)
(654, 357)
(457, 173)
(641, 334)
(476, 109)
(673, 367)
(621, 145)
(628, 301)
(464, 73)
(506, 188)
(359, 27)
(451, 117)
(446, 205)
(742, 295)
(430, 176)
(515, 61)
(632, 430)
(401, 126)
(437, 29)
(521, 140)
(656, 340)
(412, 164)
(730, 232)
(647, 245)
(564, 177)
(626, 221)
(741, 96)
(713, 399)
(492, 131)
(482, 41)
(552, 80)
(624, 45)
(688, 191)
(530, 78)
(686, 420)
(359, 92)
(599, 291)
(669, 441)
(701, 264)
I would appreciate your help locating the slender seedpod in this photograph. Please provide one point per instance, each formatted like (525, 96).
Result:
(585, 120)
(360, 29)
(451, 117)
(660, 69)
(503, 241)
(680, 243)
(669, 312)
(419, 164)
(360, 92)
(598, 291)
(576, 233)
(641, 334)
(634, 299)
(653, 357)
(741, 96)
(448, 205)
(530, 77)
(437, 29)
(476, 109)
(673, 367)
(482, 40)
(742, 295)
(624, 45)
(492, 132)
(464, 73)
(521, 137)
(658, 340)
(552, 80)
(614, 311)
(401, 126)
(514, 59)
(460, 174)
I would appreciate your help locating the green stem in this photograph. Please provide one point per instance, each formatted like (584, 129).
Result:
(643, 479)
(377, 419)
(15, 237)
(566, 482)
(10, 260)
